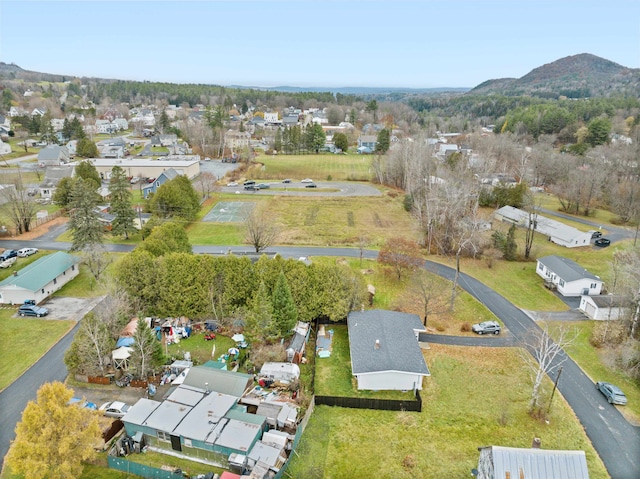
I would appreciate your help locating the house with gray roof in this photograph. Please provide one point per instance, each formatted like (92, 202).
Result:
(38, 280)
(52, 176)
(166, 175)
(497, 462)
(568, 277)
(555, 231)
(385, 353)
(53, 155)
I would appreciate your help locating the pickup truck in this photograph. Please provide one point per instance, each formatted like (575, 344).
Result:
(8, 262)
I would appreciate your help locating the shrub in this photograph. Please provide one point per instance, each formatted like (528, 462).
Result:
(465, 327)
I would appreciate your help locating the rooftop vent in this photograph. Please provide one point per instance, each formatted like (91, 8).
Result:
(377, 346)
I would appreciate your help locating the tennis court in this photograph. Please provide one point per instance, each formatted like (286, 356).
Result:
(229, 211)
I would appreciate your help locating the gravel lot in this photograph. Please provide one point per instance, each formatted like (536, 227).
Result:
(69, 308)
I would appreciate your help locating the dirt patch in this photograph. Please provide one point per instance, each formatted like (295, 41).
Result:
(42, 229)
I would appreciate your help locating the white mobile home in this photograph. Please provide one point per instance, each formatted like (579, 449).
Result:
(568, 277)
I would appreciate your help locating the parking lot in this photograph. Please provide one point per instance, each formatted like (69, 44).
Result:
(69, 308)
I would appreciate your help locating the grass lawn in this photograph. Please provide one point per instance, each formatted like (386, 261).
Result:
(475, 397)
(26, 340)
(551, 202)
(593, 362)
(333, 374)
(321, 167)
(200, 349)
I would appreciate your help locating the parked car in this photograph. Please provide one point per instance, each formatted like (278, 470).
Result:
(286, 181)
(248, 183)
(613, 393)
(311, 185)
(8, 262)
(114, 409)
(135, 180)
(487, 327)
(83, 403)
(8, 253)
(32, 310)
(596, 234)
(263, 186)
(306, 180)
(233, 183)
(602, 242)
(24, 252)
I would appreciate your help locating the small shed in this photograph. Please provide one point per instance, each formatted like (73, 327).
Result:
(295, 350)
(282, 372)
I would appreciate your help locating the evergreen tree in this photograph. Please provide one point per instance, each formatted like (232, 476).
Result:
(146, 356)
(87, 171)
(62, 194)
(77, 130)
(384, 141)
(314, 137)
(176, 198)
(164, 122)
(285, 313)
(121, 208)
(87, 149)
(341, 141)
(278, 140)
(67, 129)
(510, 244)
(259, 323)
(84, 222)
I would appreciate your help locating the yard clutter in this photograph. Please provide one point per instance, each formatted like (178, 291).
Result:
(323, 342)
(284, 373)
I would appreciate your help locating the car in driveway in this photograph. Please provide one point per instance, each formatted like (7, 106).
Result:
(602, 242)
(7, 254)
(32, 310)
(114, 409)
(613, 393)
(487, 327)
(596, 234)
(24, 252)
(306, 180)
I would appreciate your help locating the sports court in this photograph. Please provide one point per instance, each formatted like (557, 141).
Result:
(229, 211)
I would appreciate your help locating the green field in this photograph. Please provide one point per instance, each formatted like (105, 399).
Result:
(320, 167)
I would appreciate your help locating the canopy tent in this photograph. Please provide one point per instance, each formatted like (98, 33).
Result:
(238, 338)
(121, 356)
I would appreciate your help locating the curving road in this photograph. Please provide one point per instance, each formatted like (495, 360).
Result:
(616, 441)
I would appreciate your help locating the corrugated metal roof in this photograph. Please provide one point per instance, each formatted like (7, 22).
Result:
(398, 348)
(226, 382)
(538, 463)
(566, 268)
(39, 273)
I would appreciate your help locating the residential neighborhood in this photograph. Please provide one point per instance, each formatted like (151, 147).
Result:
(318, 285)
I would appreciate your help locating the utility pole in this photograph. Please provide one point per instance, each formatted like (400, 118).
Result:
(555, 385)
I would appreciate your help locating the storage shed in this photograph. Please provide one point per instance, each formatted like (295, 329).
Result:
(283, 372)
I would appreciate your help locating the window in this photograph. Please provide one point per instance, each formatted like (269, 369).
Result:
(540, 266)
(593, 285)
(73, 267)
(561, 282)
(55, 280)
(163, 436)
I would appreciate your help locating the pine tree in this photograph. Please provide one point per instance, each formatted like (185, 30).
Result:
(84, 222)
(510, 244)
(285, 312)
(121, 208)
(259, 324)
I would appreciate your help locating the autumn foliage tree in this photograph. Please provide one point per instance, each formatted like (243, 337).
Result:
(400, 255)
(54, 437)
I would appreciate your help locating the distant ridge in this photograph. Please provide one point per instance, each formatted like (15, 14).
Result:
(574, 76)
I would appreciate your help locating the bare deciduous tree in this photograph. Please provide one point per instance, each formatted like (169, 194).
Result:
(96, 258)
(543, 356)
(428, 288)
(20, 208)
(206, 183)
(260, 231)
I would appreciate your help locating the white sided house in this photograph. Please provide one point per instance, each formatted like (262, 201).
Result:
(604, 307)
(555, 231)
(385, 354)
(40, 279)
(568, 277)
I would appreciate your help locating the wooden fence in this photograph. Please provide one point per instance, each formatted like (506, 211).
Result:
(371, 403)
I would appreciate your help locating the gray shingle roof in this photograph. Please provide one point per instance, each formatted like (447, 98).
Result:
(566, 268)
(225, 382)
(399, 349)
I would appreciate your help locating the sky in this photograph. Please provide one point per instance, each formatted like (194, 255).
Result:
(306, 43)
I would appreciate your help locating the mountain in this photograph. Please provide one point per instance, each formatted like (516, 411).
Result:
(576, 76)
(11, 71)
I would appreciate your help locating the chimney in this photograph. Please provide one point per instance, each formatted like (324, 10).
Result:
(15, 273)
(377, 346)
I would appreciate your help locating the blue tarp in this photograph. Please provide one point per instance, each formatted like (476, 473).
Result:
(125, 341)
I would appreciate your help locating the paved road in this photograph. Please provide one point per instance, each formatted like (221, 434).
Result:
(344, 188)
(14, 398)
(616, 441)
